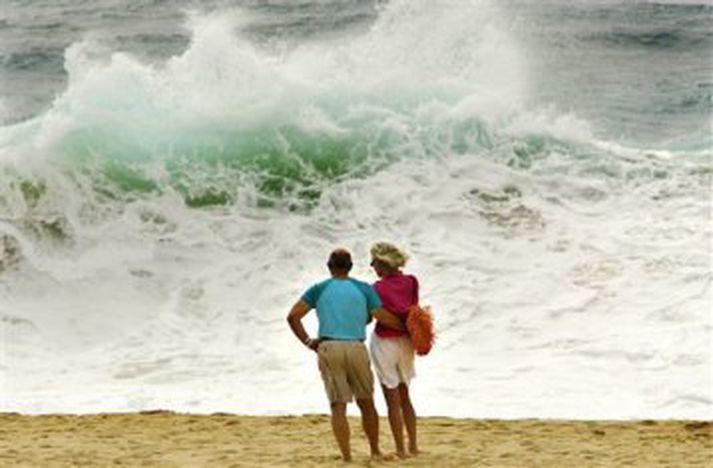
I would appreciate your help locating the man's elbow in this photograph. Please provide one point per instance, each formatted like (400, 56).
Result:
(296, 313)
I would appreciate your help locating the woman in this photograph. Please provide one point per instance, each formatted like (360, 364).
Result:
(391, 350)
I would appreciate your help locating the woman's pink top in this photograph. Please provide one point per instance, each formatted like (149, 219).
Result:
(397, 292)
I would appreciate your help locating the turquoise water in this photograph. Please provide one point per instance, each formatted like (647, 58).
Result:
(636, 73)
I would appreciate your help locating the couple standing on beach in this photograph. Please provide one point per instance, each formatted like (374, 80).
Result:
(345, 306)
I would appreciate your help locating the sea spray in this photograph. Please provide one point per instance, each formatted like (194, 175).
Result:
(158, 221)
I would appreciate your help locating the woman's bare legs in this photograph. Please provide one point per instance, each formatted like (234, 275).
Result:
(409, 417)
(393, 403)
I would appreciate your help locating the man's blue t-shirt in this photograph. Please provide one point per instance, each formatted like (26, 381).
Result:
(343, 306)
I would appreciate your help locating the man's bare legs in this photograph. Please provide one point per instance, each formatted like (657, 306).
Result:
(370, 424)
(409, 415)
(393, 403)
(340, 427)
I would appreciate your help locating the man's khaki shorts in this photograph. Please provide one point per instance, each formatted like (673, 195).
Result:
(346, 370)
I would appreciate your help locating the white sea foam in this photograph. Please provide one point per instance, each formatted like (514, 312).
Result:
(570, 276)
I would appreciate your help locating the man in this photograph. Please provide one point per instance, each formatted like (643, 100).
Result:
(344, 307)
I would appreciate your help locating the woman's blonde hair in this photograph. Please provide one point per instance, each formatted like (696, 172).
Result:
(388, 254)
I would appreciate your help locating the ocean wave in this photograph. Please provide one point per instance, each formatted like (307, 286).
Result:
(157, 221)
(225, 111)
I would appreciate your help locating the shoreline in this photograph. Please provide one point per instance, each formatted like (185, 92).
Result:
(169, 439)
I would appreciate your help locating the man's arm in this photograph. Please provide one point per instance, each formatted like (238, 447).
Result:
(387, 318)
(294, 319)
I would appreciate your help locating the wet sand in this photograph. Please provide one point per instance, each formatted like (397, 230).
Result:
(167, 439)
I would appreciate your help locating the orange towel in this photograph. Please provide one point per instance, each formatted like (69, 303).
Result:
(421, 329)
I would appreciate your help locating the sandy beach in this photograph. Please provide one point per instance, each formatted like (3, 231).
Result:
(163, 438)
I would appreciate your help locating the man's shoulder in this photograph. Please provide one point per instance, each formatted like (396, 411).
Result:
(319, 285)
(314, 292)
(322, 283)
(359, 283)
(366, 289)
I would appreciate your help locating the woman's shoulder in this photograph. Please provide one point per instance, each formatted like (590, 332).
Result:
(413, 278)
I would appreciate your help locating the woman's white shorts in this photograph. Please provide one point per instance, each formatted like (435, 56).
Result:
(393, 359)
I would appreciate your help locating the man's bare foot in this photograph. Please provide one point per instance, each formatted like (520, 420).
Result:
(414, 451)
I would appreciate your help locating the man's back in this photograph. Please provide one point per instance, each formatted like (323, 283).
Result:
(343, 307)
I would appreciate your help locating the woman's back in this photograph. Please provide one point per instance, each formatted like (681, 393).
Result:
(397, 292)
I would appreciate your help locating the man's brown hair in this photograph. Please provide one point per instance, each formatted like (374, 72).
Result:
(340, 260)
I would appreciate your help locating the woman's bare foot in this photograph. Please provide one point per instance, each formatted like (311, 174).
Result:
(381, 457)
